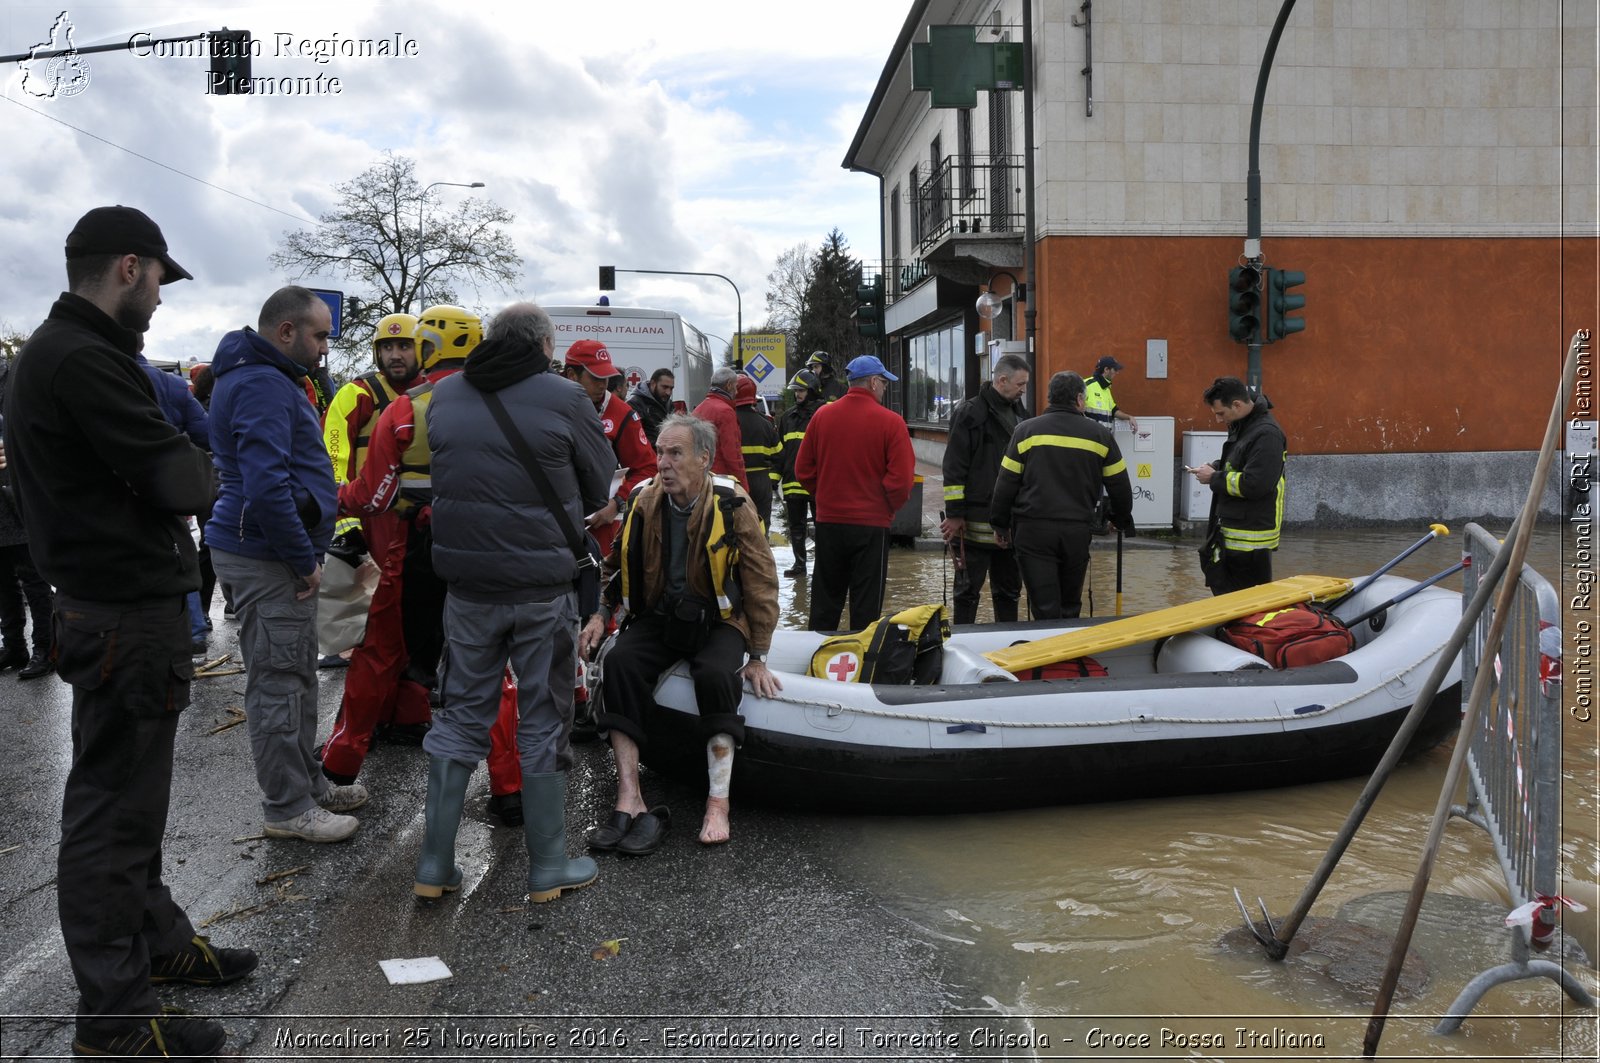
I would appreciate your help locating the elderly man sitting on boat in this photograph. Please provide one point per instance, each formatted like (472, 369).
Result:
(696, 580)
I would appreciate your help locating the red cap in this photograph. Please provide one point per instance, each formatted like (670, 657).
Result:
(744, 390)
(593, 356)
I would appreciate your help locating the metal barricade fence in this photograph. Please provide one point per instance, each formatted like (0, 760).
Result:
(1514, 766)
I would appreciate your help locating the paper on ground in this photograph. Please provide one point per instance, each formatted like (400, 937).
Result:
(414, 971)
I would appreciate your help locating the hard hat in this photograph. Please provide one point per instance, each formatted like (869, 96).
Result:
(452, 332)
(806, 379)
(819, 358)
(393, 327)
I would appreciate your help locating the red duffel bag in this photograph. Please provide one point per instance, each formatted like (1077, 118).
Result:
(1290, 638)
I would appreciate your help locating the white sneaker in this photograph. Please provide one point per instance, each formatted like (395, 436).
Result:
(344, 798)
(313, 825)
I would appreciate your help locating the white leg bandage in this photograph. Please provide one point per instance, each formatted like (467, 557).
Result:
(719, 764)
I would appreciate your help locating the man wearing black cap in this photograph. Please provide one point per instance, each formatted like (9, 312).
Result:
(1098, 402)
(104, 482)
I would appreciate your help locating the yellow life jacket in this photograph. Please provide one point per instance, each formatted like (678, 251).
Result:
(722, 549)
(416, 462)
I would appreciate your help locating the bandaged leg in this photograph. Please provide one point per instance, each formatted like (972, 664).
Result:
(719, 768)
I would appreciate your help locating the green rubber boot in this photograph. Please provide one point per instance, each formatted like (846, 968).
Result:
(544, 823)
(437, 872)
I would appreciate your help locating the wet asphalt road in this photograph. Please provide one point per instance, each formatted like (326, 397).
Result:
(778, 923)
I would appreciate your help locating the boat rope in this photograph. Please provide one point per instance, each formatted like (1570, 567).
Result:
(897, 714)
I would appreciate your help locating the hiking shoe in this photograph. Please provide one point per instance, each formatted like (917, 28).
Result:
(166, 1036)
(200, 964)
(338, 798)
(313, 825)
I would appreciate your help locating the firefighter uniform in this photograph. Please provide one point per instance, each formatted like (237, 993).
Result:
(791, 432)
(1050, 482)
(1247, 500)
(759, 441)
(980, 430)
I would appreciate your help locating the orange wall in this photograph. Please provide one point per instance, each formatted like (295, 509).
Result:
(1411, 344)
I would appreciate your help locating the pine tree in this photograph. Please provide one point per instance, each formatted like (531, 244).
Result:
(826, 323)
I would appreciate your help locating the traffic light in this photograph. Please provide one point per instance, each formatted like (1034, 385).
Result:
(230, 62)
(608, 278)
(1244, 304)
(869, 311)
(1280, 303)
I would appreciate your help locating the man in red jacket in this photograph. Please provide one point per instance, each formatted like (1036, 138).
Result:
(856, 461)
(717, 409)
(589, 364)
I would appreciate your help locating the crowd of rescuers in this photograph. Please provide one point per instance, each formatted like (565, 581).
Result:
(518, 512)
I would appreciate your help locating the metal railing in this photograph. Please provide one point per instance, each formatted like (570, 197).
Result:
(968, 194)
(1514, 768)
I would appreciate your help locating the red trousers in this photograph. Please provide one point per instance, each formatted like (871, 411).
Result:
(374, 692)
(505, 768)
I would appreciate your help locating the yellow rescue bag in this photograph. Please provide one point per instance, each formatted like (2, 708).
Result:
(905, 648)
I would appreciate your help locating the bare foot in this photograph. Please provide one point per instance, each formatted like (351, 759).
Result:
(714, 831)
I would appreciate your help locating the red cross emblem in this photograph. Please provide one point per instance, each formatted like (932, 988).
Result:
(842, 666)
(635, 378)
(394, 328)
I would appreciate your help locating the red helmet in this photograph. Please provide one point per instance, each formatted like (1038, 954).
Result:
(744, 390)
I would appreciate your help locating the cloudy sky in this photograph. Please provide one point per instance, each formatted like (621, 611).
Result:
(700, 136)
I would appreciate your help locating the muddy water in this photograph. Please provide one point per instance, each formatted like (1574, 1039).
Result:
(1109, 923)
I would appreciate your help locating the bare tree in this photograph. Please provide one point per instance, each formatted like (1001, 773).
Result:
(786, 290)
(388, 237)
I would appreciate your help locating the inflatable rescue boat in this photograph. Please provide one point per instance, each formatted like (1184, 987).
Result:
(1179, 711)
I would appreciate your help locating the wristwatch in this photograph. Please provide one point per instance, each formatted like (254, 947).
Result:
(759, 657)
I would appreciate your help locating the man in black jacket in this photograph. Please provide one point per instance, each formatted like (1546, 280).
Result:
(1247, 489)
(1049, 485)
(103, 483)
(653, 401)
(980, 428)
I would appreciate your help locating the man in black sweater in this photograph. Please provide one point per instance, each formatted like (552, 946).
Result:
(103, 483)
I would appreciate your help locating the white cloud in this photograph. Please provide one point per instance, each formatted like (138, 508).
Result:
(702, 137)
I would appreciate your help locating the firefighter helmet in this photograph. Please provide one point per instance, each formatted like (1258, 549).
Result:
(806, 379)
(447, 333)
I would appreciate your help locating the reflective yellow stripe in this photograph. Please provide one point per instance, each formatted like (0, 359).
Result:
(954, 492)
(1112, 470)
(1233, 483)
(1068, 442)
(1009, 465)
(979, 532)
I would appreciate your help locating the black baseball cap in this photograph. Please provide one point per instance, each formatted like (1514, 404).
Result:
(123, 231)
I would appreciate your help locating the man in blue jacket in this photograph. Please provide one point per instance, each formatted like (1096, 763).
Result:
(271, 524)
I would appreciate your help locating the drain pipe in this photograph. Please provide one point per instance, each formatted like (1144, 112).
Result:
(1030, 315)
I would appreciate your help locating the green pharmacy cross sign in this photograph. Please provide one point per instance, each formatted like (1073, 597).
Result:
(953, 65)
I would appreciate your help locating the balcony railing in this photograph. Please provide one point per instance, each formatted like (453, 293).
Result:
(968, 194)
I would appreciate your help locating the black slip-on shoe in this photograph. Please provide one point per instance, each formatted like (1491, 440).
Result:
(649, 828)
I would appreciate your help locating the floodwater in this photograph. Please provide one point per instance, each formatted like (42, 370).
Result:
(1106, 923)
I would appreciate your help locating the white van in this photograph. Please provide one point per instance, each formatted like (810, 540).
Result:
(640, 341)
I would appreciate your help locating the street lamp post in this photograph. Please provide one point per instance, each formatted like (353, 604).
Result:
(422, 267)
(738, 350)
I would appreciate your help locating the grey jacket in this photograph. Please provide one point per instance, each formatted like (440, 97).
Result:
(494, 539)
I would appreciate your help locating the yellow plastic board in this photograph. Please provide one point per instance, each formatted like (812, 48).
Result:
(1177, 619)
